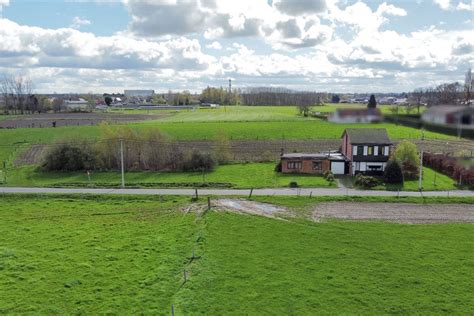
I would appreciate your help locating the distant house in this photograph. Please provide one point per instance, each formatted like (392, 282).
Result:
(348, 116)
(75, 104)
(449, 115)
(363, 150)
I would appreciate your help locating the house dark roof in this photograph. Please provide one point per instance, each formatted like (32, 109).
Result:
(368, 135)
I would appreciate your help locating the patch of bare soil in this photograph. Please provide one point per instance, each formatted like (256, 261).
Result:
(250, 207)
(395, 212)
(75, 119)
(31, 156)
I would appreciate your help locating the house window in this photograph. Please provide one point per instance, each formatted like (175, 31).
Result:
(317, 165)
(360, 150)
(294, 165)
(370, 151)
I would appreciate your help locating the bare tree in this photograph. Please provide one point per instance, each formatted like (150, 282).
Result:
(417, 95)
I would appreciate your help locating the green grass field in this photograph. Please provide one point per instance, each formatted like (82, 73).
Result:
(239, 176)
(126, 255)
(271, 130)
(252, 175)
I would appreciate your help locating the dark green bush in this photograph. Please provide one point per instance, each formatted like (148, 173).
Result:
(69, 157)
(278, 167)
(393, 173)
(293, 184)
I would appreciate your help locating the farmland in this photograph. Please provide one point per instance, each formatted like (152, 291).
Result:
(64, 255)
(268, 127)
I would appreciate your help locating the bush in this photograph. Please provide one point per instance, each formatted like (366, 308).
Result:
(393, 173)
(366, 181)
(69, 157)
(200, 162)
(278, 167)
(407, 155)
(330, 177)
(293, 184)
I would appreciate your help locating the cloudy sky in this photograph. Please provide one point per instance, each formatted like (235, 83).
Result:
(317, 45)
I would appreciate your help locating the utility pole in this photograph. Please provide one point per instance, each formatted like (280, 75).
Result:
(420, 180)
(121, 162)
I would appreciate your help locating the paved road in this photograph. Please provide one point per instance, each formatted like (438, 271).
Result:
(231, 192)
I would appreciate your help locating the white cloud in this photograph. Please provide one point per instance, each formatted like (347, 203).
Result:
(77, 22)
(215, 45)
(452, 5)
(69, 48)
(230, 19)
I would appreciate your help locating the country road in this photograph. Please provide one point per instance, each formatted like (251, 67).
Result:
(231, 192)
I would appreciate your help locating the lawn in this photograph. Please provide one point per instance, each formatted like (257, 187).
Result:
(73, 256)
(126, 255)
(252, 175)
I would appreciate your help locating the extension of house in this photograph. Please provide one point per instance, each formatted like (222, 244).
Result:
(363, 150)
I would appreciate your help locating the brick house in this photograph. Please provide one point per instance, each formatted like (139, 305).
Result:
(316, 163)
(363, 150)
(367, 149)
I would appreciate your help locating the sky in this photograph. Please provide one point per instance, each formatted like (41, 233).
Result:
(340, 46)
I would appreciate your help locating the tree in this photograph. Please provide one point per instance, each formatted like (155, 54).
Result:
(417, 96)
(335, 98)
(304, 109)
(57, 104)
(372, 102)
(393, 172)
(407, 155)
(108, 100)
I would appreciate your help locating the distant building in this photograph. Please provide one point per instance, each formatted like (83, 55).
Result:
(349, 115)
(209, 105)
(449, 115)
(139, 93)
(75, 104)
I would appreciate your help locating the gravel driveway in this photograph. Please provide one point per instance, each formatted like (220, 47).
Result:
(395, 212)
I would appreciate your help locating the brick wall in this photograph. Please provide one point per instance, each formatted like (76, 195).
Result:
(306, 166)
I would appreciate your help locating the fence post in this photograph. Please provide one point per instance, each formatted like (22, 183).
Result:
(251, 191)
(208, 203)
(197, 194)
(172, 309)
(310, 194)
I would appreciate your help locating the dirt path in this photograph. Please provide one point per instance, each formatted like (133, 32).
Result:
(395, 212)
(250, 207)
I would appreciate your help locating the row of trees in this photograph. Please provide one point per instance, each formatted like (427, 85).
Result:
(17, 97)
(454, 167)
(281, 96)
(446, 93)
(220, 96)
(143, 150)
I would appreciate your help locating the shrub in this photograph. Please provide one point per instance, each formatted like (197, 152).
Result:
(69, 157)
(278, 167)
(330, 177)
(200, 162)
(393, 173)
(407, 155)
(365, 181)
(293, 184)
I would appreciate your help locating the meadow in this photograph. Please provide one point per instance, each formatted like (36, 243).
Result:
(115, 254)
